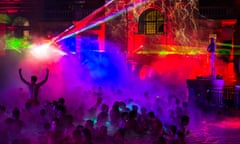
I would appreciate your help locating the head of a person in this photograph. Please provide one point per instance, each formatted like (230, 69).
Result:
(104, 108)
(16, 113)
(33, 79)
(103, 131)
(61, 101)
(185, 120)
(54, 124)
(87, 135)
(89, 124)
(151, 115)
(212, 39)
(28, 105)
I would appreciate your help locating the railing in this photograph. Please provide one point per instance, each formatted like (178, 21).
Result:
(228, 96)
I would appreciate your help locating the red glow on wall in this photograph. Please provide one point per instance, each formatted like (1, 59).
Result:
(10, 11)
(11, 28)
(229, 22)
(2, 33)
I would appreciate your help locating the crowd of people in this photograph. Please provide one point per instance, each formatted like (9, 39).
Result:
(99, 121)
(55, 122)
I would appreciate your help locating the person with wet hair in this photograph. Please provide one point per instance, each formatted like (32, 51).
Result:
(142, 121)
(119, 136)
(77, 136)
(115, 114)
(14, 125)
(33, 86)
(155, 124)
(55, 133)
(103, 116)
(87, 136)
(89, 124)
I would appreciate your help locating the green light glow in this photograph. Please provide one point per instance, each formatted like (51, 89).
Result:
(172, 49)
(4, 18)
(193, 53)
(224, 52)
(17, 44)
(227, 45)
(163, 52)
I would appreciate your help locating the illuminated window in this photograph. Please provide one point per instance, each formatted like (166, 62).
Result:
(22, 25)
(151, 22)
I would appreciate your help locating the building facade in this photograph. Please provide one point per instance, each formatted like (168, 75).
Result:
(39, 19)
(16, 18)
(137, 27)
(174, 27)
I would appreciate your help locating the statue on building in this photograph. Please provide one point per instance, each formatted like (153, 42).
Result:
(212, 49)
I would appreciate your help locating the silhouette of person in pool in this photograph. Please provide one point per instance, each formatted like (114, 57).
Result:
(33, 87)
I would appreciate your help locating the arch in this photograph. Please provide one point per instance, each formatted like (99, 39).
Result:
(20, 21)
(22, 27)
(151, 21)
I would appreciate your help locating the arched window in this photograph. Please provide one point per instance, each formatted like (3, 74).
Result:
(151, 22)
(22, 25)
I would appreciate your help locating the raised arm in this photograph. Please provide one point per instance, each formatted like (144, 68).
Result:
(46, 78)
(21, 77)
